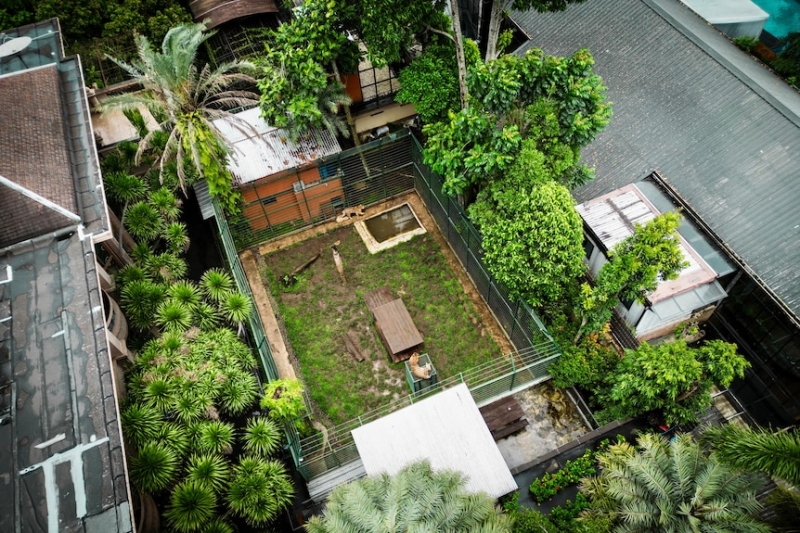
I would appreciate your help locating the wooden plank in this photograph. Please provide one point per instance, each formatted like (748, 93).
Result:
(396, 327)
(503, 414)
(378, 297)
(509, 430)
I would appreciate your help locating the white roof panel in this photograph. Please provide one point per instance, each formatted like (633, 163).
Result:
(727, 11)
(448, 430)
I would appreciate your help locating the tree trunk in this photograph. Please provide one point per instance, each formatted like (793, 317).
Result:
(351, 123)
(462, 64)
(687, 393)
(495, 21)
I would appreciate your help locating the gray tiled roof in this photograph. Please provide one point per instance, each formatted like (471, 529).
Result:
(719, 127)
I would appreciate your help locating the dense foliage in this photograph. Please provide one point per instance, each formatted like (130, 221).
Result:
(668, 486)
(635, 267)
(430, 83)
(186, 99)
(509, 98)
(417, 498)
(670, 378)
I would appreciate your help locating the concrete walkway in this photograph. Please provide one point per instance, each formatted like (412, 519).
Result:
(267, 314)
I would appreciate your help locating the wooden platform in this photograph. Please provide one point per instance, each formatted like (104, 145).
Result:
(504, 417)
(395, 327)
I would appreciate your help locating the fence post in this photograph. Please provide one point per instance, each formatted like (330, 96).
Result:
(513, 371)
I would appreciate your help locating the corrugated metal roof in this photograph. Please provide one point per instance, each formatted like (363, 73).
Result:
(448, 430)
(721, 129)
(261, 150)
(612, 218)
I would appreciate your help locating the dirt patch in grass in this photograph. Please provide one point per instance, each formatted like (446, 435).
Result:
(318, 310)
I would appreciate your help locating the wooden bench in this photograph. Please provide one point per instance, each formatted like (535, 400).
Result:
(504, 417)
(394, 325)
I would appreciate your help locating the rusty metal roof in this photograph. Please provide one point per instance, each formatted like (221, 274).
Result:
(260, 150)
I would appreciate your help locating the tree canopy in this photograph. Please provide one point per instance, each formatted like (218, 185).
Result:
(672, 379)
(479, 143)
(186, 99)
(415, 499)
(670, 486)
(636, 264)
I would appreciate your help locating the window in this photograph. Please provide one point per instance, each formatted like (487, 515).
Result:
(269, 200)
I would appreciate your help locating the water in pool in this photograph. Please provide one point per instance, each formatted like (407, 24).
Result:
(784, 16)
(386, 225)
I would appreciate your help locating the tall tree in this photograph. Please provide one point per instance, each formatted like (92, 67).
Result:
(671, 379)
(415, 499)
(185, 99)
(507, 96)
(672, 486)
(636, 264)
(500, 8)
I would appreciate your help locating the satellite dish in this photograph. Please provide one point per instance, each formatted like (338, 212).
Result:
(14, 46)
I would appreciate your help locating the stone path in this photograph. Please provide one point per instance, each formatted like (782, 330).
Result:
(553, 422)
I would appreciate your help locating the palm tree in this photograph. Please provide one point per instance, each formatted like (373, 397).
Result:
(672, 487)
(216, 284)
(239, 391)
(140, 423)
(775, 454)
(154, 467)
(191, 506)
(259, 490)
(185, 99)
(261, 436)
(414, 499)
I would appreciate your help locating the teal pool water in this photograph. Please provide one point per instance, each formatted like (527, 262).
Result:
(784, 16)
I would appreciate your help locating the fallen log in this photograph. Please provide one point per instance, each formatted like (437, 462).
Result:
(291, 278)
(338, 261)
(351, 345)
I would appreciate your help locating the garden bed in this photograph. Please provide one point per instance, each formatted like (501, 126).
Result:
(319, 310)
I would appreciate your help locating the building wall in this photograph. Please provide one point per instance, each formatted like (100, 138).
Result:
(276, 200)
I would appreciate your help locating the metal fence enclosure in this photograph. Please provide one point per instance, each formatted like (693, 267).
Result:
(365, 176)
(370, 174)
(488, 382)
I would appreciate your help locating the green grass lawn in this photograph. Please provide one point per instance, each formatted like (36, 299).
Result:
(319, 309)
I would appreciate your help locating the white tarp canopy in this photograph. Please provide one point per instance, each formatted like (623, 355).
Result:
(446, 429)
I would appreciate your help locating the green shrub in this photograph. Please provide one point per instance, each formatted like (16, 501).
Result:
(549, 484)
(746, 43)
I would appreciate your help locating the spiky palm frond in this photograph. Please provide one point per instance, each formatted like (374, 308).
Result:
(416, 498)
(129, 273)
(160, 394)
(262, 437)
(206, 316)
(218, 525)
(191, 506)
(258, 490)
(124, 188)
(181, 96)
(190, 408)
(173, 315)
(236, 307)
(209, 469)
(238, 392)
(166, 267)
(216, 284)
(140, 423)
(185, 292)
(143, 222)
(672, 486)
(177, 237)
(215, 436)
(141, 253)
(154, 467)
(166, 203)
(140, 300)
(774, 453)
(176, 437)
